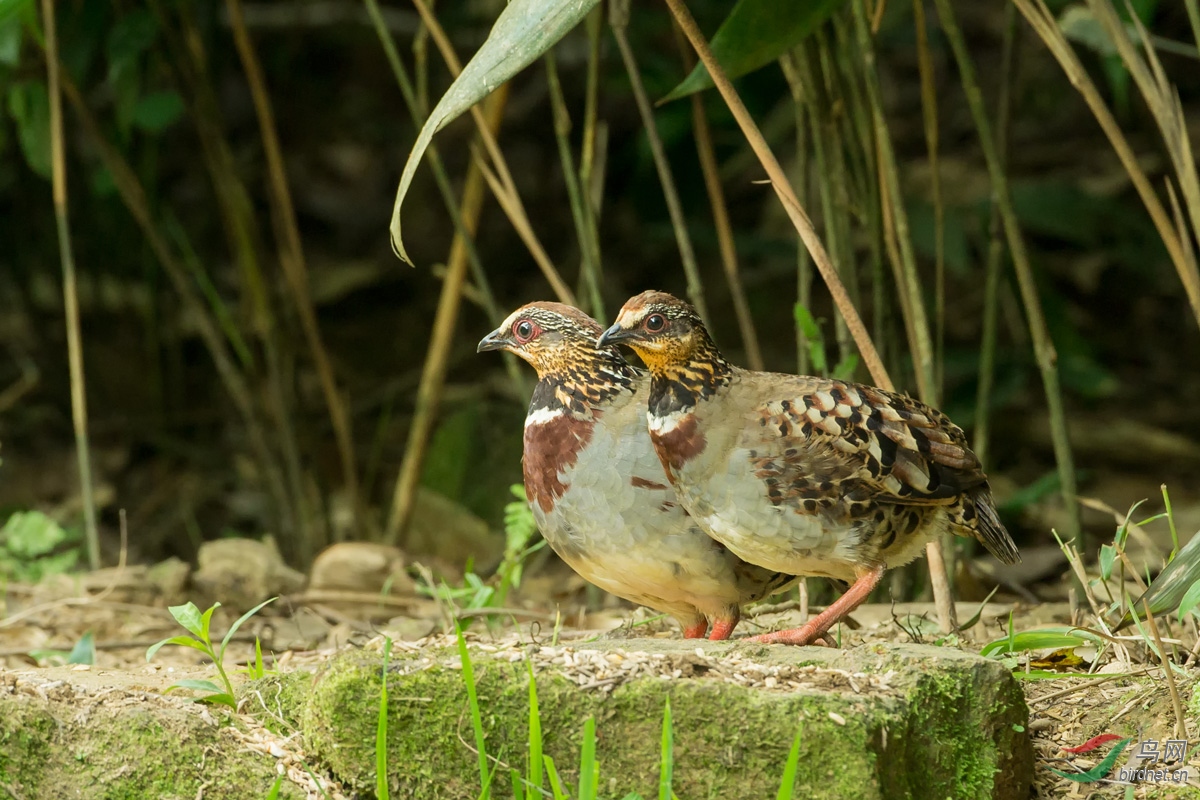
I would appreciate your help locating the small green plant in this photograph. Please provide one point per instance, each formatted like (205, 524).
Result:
(478, 593)
(256, 670)
(33, 546)
(84, 652)
(381, 727)
(811, 327)
(198, 624)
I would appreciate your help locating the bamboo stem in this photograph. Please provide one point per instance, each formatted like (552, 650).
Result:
(577, 195)
(511, 204)
(487, 298)
(618, 19)
(1043, 347)
(1044, 23)
(79, 415)
(134, 197)
(441, 338)
(929, 109)
(291, 257)
(787, 197)
(995, 254)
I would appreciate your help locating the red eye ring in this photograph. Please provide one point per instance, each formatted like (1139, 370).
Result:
(655, 323)
(524, 330)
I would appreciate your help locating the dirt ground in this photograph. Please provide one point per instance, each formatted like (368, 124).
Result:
(125, 611)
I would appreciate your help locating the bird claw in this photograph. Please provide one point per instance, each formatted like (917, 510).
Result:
(796, 636)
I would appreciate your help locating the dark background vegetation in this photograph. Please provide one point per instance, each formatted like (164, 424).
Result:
(169, 447)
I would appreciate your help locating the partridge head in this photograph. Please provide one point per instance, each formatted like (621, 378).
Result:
(595, 485)
(803, 475)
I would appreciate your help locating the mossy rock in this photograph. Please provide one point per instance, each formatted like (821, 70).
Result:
(880, 721)
(107, 735)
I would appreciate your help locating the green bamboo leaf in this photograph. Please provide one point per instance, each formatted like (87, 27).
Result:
(1191, 599)
(755, 33)
(1035, 640)
(524, 30)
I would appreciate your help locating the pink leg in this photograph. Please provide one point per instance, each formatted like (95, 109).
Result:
(722, 629)
(696, 630)
(816, 627)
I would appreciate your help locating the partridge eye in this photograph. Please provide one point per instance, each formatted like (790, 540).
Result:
(524, 331)
(655, 323)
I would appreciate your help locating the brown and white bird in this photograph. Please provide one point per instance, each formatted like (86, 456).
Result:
(595, 485)
(803, 475)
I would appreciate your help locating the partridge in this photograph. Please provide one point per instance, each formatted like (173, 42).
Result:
(595, 485)
(798, 474)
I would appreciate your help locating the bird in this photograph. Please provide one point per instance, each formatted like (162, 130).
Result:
(595, 486)
(799, 474)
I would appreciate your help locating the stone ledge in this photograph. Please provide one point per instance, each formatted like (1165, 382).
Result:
(880, 721)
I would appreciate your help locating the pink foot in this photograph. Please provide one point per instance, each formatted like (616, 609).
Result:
(813, 632)
(796, 636)
(722, 629)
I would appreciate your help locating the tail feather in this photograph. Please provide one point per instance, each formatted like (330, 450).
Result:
(990, 531)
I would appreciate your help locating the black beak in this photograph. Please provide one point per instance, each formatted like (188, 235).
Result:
(493, 341)
(614, 335)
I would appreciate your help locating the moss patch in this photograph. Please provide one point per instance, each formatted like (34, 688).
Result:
(944, 724)
(61, 740)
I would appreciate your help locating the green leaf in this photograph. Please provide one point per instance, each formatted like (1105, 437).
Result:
(787, 784)
(1051, 675)
(157, 111)
(1108, 555)
(233, 628)
(206, 623)
(536, 767)
(197, 686)
(31, 534)
(845, 368)
(555, 784)
(188, 616)
(1041, 639)
(755, 33)
(131, 36)
(10, 34)
(220, 698)
(524, 30)
(381, 726)
(589, 767)
(1191, 599)
(182, 641)
(666, 760)
(84, 651)
(13, 9)
(816, 341)
(275, 787)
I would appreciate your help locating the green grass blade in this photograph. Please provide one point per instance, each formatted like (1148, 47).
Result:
(589, 770)
(273, 794)
(473, 700)
(666, 760)
(787, 785)
(381, 727)
(536, 767)
(240, 621)
(555, 783)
